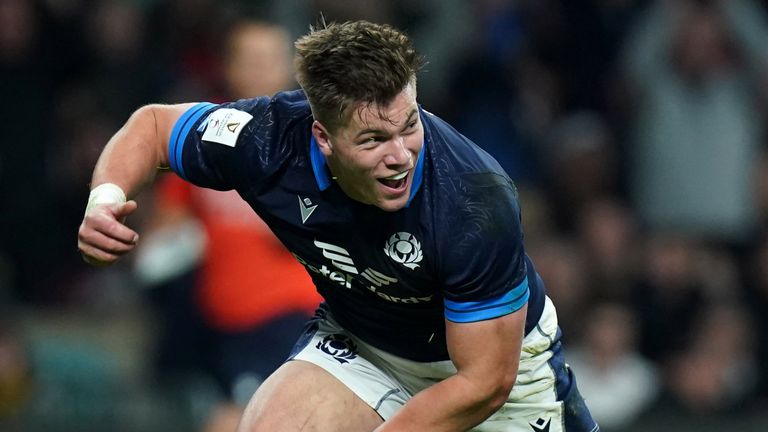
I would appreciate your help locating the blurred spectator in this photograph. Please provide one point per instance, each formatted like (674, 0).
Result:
(716, 372)
(492, 98)
(537, 215)
(25, 89)
(257, 60)
(696, 66)
(669, 294)
(124, 68)
(756, 300)
(618, 382)
(584, 48)
(189, 34)
(15, 374)
(608, 231)
(561, 264)
(581, 164)
(761, 190)
(235, 318)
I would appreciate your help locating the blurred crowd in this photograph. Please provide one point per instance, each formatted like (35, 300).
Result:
(634, 129)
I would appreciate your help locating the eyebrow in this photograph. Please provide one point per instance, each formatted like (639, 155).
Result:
(371, 130)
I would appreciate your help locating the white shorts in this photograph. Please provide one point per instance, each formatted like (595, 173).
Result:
(544, 398)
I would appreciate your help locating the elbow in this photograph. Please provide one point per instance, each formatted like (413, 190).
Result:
(145, 118)
(146, 111)
(148, 118)
(499, 393)
(495, 394)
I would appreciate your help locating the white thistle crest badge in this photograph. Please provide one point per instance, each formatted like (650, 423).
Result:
(403, 247)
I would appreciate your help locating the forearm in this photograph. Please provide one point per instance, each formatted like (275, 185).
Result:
(486, 354)
(452, 405)
(132, 156)
(129, 160)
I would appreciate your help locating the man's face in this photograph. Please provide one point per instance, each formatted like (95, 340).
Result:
(374, 156)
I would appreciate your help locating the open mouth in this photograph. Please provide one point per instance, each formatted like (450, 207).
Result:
(396, 181)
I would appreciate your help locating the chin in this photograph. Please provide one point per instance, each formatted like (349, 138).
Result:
(391, 205)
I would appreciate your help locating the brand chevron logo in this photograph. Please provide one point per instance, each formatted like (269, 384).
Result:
(541, 425)
(306, 208)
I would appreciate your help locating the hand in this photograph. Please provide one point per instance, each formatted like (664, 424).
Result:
(103, 237)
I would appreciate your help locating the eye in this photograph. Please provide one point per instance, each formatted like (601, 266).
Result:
(371, 140)
(409, 128)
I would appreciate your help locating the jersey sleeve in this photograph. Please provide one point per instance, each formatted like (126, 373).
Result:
(222, 146)
(484, 266)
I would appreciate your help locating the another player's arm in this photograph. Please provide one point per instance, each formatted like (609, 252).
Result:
(129, 161)
(487, 356)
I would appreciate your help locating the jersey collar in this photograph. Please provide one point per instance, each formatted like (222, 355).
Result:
(323, 174)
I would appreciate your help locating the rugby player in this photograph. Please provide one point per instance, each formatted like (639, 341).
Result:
(434, 318)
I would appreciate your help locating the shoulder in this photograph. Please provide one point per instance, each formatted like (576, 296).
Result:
(242, 143)
(460, 171)
(288, 105)
(283, 105)
(484, 204)
(468, 187)
(452, 153)
(264, 121)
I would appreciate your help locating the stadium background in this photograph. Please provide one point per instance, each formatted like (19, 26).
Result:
(635, 131)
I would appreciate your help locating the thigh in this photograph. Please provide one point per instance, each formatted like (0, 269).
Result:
(301, 396)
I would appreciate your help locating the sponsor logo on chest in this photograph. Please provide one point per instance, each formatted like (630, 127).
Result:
(402, 247)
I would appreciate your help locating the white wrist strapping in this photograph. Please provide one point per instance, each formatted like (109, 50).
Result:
(105, 193)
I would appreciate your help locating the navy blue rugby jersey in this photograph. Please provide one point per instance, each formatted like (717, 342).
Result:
(391, 278)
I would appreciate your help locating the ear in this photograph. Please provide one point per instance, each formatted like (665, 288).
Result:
(323, 138)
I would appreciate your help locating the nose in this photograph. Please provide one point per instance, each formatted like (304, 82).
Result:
(398, 154)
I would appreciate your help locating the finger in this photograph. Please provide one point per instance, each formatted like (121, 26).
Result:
(122, 210)
(97, 249)
(104, 222)
(106, 243)
(96, 262)
(96, 257)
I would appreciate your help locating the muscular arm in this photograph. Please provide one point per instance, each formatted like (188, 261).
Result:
(132, 156)
(487, 356)
(129, 160)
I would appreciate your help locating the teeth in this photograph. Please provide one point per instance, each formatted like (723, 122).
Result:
(398, 176)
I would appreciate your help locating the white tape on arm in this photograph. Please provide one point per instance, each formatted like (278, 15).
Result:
(106, 193)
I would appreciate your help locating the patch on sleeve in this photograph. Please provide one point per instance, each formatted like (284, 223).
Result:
(224, 126)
